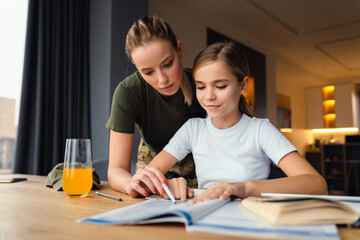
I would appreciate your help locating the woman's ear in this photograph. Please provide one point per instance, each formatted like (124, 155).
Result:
(244, 85)
(179, 48)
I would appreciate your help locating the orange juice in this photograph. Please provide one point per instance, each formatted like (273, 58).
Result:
(77, 181)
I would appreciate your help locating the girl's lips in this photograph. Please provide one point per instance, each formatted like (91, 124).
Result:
(212, 106)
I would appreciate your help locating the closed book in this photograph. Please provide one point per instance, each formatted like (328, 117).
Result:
(304, 210)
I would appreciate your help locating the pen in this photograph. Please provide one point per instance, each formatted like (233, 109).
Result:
(168, 192)
(109, 196)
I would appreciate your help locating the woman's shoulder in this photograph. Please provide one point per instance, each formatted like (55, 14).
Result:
(132, 81)
(133, 84)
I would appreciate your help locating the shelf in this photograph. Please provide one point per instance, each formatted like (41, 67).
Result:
(333, 177)
(338, 173)
(353, 161)
(352, 144)
(332, 161)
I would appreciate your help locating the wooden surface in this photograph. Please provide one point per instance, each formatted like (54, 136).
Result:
(30, 210)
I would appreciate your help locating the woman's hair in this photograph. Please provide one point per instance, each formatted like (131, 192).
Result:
(147, 29)
(231, 54)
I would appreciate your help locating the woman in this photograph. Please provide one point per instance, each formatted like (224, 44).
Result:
(158, 99)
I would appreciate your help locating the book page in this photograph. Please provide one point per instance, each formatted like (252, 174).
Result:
(330, 197)
(231, 219)
(354, 206)
(147, 211)
(133, 213)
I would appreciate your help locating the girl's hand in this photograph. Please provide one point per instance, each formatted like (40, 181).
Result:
(146, 180)
(222, 191)
(179, 189)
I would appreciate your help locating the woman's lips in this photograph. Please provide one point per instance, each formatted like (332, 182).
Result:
(168, 88)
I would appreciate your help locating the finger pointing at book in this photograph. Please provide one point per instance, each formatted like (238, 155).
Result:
(150, 179)
(147, 180)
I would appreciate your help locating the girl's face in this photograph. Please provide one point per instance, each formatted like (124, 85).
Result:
(159, 64)
(218, 91)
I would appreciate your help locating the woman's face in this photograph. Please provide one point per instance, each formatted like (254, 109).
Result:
(218, 91)
(159, 64)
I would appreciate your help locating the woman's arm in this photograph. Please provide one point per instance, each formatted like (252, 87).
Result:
(120, 161)
(301, 178)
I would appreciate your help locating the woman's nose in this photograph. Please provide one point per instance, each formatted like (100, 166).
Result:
(162, 78)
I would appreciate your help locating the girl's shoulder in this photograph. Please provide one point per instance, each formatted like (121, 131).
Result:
(258, 122)
(255, 119)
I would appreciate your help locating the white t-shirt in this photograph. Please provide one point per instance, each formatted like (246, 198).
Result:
(237, 154)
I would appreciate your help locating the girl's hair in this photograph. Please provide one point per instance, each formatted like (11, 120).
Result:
(147, 29)
(231, 54)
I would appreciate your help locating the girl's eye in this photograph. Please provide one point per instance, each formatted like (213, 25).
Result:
(222, 87)
(168, 64)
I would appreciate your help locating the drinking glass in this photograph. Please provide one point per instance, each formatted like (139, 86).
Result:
(77, 174)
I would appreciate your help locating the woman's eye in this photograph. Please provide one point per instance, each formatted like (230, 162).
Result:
(168, 64)
(148, 73)
(200, 87)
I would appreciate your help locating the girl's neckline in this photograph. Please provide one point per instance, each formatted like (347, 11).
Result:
(227, 131)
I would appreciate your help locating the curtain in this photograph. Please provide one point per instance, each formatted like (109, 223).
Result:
(55, 102)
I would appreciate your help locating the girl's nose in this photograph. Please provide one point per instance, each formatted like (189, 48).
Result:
(210, 94)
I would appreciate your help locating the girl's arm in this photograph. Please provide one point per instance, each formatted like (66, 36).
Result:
(120, 161)
(301, 178)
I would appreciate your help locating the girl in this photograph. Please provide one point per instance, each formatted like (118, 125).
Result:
(231, 147)
(158, 99)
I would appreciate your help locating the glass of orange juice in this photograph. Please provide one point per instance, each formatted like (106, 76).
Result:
(77, 174)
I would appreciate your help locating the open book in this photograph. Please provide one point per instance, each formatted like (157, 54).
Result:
(214, 216)
(290, 209)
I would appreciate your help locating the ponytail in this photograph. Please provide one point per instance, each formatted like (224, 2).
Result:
(187, 90)
(245, 108)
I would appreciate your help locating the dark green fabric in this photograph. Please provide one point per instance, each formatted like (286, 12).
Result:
(135, 102)
(54, 178)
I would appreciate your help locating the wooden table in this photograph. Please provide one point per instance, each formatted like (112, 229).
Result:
(30, 210)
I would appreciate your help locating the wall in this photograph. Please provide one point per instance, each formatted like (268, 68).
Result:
(110, 22)
(100, 55)
(291, 81)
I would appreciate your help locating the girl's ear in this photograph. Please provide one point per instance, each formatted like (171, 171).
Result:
(244, 85)
(179, 48)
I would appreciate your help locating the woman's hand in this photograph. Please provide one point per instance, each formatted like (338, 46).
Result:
(222, 191)
(150, 179)
(146, 180)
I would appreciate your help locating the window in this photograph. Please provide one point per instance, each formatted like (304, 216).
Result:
(13, 18)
